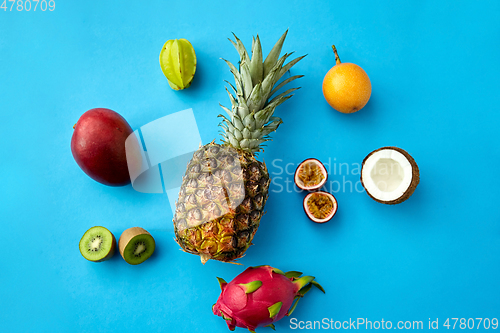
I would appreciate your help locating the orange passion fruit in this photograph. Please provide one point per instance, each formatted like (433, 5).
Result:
(346, 86)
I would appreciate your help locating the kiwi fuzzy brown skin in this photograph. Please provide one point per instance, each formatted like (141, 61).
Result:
(111, 251)
(127, 236)
(317, 187)
(331, 196)
(98, 146)
(414, 180)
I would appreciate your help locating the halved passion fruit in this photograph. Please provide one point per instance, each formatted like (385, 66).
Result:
(320, 206)
(310, 175)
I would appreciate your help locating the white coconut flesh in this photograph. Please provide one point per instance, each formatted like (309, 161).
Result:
(387, 174)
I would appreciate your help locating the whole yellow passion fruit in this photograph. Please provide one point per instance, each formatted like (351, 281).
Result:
(346, 86)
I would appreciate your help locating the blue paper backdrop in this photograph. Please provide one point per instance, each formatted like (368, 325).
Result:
(434, 67)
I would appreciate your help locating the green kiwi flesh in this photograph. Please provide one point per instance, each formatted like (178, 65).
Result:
(97, 244)
(136, 245)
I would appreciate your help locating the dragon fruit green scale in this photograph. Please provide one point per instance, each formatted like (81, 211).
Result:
(260, 296)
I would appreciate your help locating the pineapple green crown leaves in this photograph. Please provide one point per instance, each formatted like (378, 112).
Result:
(251, 117)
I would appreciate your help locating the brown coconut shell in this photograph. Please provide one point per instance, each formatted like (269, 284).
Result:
(414, 180)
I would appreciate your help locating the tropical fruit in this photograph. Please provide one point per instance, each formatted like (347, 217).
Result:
(320, 206)
(260, 296)
(97, 244)
(98, 146)
(178, 63)
(310, 175)
(389, 175)
(225, 188)
(346, 86)
(136, 245)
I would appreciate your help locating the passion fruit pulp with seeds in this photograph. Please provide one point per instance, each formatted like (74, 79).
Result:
(320, 206)
(310, 175)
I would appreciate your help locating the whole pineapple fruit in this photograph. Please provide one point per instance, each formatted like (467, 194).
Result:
(224, 190)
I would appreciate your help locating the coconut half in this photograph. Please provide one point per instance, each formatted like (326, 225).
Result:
(310, 175)
(320, 206)
(389, 175)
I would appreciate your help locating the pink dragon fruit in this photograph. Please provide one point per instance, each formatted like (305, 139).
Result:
(261, 296)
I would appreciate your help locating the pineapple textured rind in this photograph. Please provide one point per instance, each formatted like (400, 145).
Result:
(221, 203)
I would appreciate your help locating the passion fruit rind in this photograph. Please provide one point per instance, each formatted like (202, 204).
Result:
(330, 214)
(320, 165)
(415, 176)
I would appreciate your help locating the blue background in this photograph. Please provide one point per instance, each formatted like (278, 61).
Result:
(434, 70)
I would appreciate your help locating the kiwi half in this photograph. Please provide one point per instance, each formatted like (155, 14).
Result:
(136, 245)
(97, 244)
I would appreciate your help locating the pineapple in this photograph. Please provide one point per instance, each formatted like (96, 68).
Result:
(225, 188)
